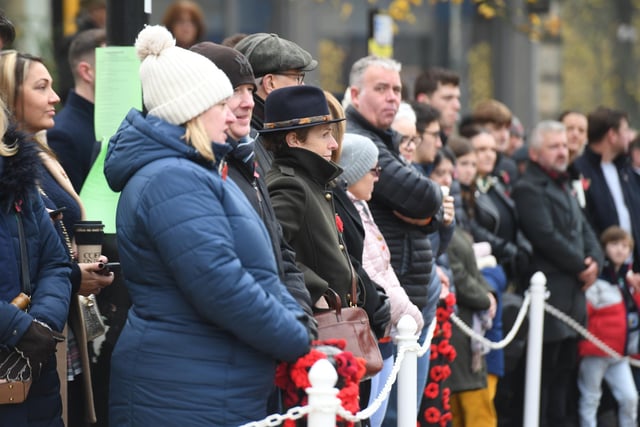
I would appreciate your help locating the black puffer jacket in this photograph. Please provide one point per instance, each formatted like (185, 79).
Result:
(403, 189)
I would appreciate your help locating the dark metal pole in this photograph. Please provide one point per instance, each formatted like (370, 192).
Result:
(125, 19)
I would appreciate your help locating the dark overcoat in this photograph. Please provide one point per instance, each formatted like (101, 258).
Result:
(561, 237)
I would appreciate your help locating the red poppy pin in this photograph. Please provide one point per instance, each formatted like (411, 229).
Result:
(339, 223)
(586, 183)
(505, 177)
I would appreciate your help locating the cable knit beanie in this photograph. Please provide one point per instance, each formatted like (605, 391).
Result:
(359, 156)
(177, 85)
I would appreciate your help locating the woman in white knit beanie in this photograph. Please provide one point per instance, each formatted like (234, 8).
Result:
(209, 316)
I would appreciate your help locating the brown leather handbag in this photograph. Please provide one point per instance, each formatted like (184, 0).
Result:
(352, 325)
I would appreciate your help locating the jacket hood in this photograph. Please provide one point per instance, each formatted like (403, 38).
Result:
(19, 173)
(141, 140)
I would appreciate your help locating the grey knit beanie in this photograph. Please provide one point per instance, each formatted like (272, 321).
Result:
(359, 156)
(177, 84)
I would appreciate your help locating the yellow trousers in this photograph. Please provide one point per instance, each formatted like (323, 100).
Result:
(475, 408)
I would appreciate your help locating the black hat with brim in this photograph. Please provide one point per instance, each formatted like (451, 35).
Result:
(296, 107)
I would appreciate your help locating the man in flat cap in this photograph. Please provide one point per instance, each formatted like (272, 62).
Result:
(276, 63)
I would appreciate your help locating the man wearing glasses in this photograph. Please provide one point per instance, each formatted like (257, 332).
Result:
(276, 63)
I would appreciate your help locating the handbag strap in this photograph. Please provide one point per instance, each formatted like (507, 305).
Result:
(24, 258)
(353, 299)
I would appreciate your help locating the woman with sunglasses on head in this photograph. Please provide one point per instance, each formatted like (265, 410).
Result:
(26, 86)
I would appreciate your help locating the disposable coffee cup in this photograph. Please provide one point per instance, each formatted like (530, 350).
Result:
(88, 236)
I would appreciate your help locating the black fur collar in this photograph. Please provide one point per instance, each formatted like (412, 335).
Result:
(19, 173)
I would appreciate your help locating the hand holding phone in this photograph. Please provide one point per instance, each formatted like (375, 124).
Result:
(108, 267)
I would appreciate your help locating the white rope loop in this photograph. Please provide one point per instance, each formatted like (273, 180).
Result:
(298, 412)
(507, 339)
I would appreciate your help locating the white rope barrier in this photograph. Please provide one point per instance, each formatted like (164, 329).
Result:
(299, 412)
(507, 339)
(588, 335)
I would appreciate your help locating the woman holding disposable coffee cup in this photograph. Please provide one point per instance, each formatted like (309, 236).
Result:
(209, 317)
(26, 88)
(34, 333)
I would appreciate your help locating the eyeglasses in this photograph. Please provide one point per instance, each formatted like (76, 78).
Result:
(407, 139)
(298, 76)
(376, 171)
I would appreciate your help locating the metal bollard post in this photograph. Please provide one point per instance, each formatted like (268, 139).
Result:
(407, 376)
(534, 351)
(322, 394)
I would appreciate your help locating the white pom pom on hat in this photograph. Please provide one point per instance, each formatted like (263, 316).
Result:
(177, 84)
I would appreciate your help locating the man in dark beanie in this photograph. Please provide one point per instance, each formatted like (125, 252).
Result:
(241, 166)
(7, 31)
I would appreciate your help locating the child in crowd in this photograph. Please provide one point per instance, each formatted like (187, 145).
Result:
(612, 306)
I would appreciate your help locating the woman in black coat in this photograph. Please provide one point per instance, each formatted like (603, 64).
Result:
(298, 130)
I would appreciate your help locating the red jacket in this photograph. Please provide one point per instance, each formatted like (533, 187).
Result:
(606, 318)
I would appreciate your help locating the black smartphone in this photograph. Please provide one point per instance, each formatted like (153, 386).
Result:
(108, 267)
(54, 214)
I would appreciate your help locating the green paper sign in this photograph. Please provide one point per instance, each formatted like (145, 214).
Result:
(117, 91)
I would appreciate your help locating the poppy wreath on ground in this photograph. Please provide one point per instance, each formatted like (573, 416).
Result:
(435, 408)
(293, 378)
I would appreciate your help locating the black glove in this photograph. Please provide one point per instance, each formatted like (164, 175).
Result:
(37, 345)
(381, 318)
(13, 367)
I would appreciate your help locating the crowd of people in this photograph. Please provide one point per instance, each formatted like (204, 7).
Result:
(246, 195)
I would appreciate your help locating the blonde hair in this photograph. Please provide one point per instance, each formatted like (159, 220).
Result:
(14, 67)
(5, 150)
(196, 136)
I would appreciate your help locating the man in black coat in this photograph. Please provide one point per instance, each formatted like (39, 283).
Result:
(242, 169)
(566, 250)
(610, 194)
(276, 63)
(405, 204)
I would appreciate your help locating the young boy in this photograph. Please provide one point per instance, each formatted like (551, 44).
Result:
(612, 306)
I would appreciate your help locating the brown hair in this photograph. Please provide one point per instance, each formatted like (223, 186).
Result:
(173, 12)
(615, 233)
(339, 128)
(461, 146)
(276, 141)
(492, 111)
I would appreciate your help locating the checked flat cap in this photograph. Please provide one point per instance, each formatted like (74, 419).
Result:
(268, 53)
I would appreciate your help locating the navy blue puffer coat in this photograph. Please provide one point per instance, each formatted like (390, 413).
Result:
(210, 317)
(49, 275)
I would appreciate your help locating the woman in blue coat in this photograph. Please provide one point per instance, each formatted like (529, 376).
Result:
(209, 317)
(33, 333)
